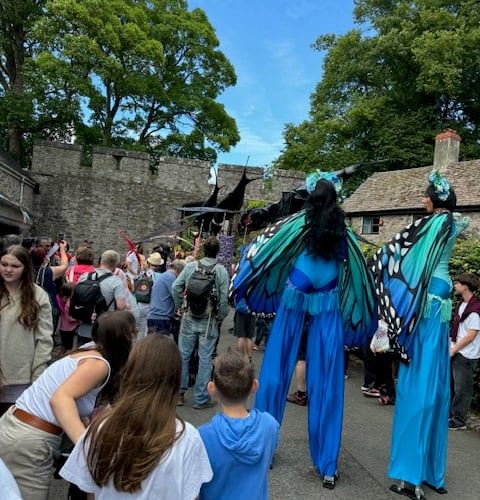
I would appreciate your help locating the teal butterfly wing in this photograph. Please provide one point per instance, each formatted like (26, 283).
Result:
(403, 268)
(265, 264)
(357, 296)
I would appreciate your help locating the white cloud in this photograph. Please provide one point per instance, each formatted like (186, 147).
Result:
(289, 62)
(257, 148)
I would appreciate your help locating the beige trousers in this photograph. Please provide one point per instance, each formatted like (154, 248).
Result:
(28, 454)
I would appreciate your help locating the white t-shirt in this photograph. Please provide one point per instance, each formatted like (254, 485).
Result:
(178, 476)
(132, 259)
(472, 322)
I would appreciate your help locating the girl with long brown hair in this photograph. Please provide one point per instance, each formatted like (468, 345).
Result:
(25, 325)
(139, 445)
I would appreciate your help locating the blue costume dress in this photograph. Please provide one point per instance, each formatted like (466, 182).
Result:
(277, 274)
(412, 275)
(311, 293)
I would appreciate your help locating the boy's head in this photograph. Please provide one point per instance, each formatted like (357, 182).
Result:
(233, 378)
(468, 279)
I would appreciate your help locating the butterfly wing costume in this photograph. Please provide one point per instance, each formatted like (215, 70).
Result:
(403, 269)
(333, 298)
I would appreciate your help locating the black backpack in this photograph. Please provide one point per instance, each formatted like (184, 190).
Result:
(143, 288)
(202, 298)
(87, 301)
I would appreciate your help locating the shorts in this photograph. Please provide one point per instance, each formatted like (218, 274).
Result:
(244, 325)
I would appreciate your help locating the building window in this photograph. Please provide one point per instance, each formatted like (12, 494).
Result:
(371, 225)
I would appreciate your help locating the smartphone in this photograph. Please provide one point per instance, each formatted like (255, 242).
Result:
(61, 236)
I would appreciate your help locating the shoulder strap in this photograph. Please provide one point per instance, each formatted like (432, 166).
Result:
(104, 276)
(93, 356)
(70, 274)
(40, 277)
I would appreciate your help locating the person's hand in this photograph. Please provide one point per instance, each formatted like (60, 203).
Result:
(63, 245)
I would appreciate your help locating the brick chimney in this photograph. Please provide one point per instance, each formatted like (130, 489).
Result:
(447, 149)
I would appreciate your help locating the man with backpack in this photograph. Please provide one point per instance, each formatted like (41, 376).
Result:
(202, 291)
(113, 294)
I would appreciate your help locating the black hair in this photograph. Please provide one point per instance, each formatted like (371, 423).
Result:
(325, 222)
(450, 203)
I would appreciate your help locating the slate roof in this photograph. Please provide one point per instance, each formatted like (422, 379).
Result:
(401, 191)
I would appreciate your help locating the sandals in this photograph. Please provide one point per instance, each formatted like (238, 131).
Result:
(415, 493)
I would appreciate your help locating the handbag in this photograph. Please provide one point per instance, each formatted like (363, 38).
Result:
(380, 341)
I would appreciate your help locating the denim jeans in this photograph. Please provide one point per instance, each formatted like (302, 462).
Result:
(206, 331)
(462, 387)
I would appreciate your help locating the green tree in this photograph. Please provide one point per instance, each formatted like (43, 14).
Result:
(131, 73)
(390, 86)
(29, 103)
(154, 72)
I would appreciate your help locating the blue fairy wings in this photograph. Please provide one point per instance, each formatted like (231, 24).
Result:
(403, 268)
(357, 296)
(265, 265)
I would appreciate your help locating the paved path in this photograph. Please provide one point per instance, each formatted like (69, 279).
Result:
(363, 457)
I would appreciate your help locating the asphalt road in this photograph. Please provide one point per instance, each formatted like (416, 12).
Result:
(364, 454)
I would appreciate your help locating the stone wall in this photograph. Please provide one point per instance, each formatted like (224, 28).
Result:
(118, 192)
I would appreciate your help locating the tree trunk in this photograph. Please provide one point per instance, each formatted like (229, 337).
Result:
(15, 143)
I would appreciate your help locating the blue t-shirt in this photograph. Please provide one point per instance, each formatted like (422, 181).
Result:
(240, 451)
(162, 305)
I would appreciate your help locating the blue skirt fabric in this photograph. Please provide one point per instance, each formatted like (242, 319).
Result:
(420, 425)
(324, 365)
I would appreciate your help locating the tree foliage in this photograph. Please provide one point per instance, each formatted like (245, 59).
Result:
(130, 73)
(391, 85)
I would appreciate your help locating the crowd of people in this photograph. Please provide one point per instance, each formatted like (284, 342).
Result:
(112, 392)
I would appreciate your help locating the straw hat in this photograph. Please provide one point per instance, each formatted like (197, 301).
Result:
(155, 259)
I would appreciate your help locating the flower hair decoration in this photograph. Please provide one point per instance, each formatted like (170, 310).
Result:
(440, 185)
(315, 176)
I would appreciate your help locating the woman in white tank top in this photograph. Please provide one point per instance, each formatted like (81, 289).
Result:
(60, 399)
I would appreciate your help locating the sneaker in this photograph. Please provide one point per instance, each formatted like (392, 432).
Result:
(372, 393)
(181, 400)
(452, 426)
(366, 387)
(202, 406)
(386, 400)
(298, 400)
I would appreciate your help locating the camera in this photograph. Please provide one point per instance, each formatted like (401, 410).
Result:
(61, 237)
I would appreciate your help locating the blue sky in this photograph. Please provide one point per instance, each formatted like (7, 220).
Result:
(269, 44)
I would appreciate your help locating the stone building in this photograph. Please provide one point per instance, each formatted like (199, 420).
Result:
(118, 192)
(16, 196)
(388, 201)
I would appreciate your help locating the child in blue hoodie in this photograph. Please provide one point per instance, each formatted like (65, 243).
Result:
(240, 443)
